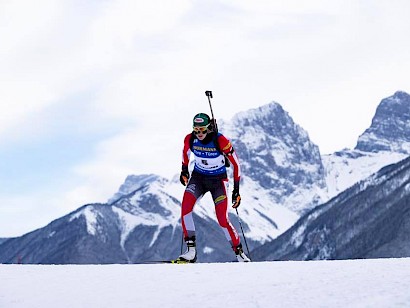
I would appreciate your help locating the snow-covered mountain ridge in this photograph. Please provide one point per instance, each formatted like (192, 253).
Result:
(283, 170)
(278, 158)
(346, 167)
(386, 141)
(283, 176)
(368, 220)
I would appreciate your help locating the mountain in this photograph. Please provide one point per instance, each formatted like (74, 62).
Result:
(390, 126)
(282, 172)
(369, 220)
(148, 208)
(142, 225)
(386, 141)
(70, 239)
(277, 155)
(283, 177)
(141, 221)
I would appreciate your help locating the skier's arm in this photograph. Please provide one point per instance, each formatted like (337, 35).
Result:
(186, 151)
(227, 148)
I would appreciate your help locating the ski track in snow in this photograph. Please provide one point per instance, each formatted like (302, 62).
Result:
(349, 283)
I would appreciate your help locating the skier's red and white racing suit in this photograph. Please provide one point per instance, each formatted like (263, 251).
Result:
(209, 174)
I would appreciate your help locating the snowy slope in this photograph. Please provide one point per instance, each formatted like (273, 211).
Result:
(368, 220)
(265, 219)
(355, 283)
(347, 167)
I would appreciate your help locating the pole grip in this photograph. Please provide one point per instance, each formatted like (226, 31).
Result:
(209, 95)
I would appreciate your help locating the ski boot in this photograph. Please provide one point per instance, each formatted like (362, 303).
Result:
(189, 255)
(240, 255)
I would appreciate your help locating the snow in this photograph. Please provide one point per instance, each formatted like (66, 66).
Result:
(90, 217)
(279, 154)
(256, 211)
(349, 283)
(343, 171)
(130, 221)
(298, 236)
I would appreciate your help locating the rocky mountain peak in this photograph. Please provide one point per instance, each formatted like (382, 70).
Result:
(270, 119)
(276, 153)
(133, 183)
(401, 95)
(390, 128)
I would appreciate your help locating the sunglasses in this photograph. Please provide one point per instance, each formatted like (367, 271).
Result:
(200, 130)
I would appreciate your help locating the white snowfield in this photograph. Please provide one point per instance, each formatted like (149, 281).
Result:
(352, 283)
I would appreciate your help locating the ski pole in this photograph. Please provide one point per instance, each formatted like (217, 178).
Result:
(182, 242)
(209, 95)
(243, 234)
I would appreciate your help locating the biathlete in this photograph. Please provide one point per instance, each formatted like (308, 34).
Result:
(210, 149)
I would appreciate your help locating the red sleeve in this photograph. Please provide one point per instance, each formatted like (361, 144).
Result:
(186, 151)
(226, 147)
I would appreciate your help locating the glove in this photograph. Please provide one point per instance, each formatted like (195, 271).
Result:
(236, 197)
(184, 177)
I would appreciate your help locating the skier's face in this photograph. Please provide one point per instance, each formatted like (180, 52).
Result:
(200, 132)
(201, 136)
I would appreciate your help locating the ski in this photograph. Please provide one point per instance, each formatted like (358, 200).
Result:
(165, 262)
(181, 262)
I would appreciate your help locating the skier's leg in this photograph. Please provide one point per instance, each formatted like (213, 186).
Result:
(219, 195)
(191, 195)
(188, 202)
(221, 208)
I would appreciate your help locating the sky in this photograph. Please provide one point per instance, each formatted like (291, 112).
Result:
(377, 283)
(93, 91)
